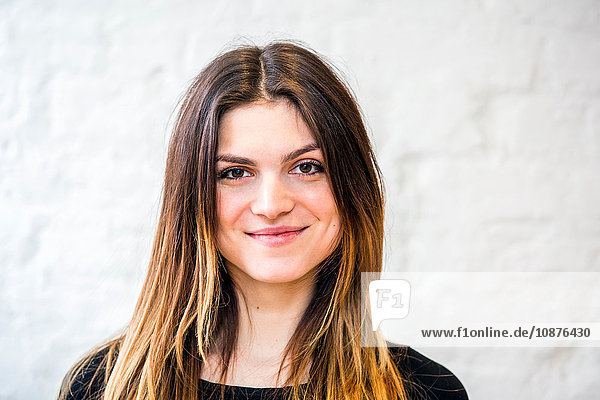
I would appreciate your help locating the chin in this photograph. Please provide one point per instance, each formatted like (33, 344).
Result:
(276, 273)
(278, 277)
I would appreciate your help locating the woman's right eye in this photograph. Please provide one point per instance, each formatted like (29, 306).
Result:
(233, 173)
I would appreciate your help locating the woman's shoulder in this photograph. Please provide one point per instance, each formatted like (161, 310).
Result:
(427, 378)
(86, 379)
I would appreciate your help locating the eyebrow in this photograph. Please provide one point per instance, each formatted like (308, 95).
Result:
(285, 158)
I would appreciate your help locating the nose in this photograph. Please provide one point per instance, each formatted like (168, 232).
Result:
(272, 198)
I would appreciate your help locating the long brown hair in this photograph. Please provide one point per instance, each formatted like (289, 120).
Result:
(188, 309)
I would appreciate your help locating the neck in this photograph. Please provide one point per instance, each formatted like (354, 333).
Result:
(268, 316)
(270, 309)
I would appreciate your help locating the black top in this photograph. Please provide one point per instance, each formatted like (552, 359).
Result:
(428, 381)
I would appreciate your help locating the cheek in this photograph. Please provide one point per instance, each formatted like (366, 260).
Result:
(229, 207)
(326, 210)
(321, 201)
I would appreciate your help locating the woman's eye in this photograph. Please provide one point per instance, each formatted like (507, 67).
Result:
(306, 168)
(233, 173)
(309, 168)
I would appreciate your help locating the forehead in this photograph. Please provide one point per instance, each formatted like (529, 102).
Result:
(263, 126)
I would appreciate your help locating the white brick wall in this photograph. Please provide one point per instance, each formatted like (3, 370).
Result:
(485, 116)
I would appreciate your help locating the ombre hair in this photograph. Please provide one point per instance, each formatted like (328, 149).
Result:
(188, 308)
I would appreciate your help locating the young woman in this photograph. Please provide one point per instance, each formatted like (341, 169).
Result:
(273, 205)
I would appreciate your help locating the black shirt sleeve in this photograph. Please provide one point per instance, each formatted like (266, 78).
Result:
(86, 380)
(426, 378)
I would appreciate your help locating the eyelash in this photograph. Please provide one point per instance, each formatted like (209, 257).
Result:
(318, 167)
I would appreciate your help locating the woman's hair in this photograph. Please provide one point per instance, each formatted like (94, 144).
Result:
(188, 308)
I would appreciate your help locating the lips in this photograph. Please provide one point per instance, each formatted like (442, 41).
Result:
(276, 230)
(276, 236)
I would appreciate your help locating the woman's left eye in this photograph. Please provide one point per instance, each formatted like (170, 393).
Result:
(309, 168)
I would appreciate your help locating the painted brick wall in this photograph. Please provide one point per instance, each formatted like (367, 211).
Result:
(485, 116)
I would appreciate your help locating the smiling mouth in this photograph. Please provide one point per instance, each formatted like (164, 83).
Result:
(277, 239)
(276, 234)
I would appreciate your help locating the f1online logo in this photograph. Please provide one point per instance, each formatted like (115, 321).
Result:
(389, 299)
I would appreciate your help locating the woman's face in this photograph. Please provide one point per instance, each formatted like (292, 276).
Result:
(277, 217)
